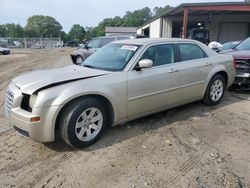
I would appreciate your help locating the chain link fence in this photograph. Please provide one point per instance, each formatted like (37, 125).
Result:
(36, 43)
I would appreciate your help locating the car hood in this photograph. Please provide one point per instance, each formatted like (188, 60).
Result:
(33, 82)
(238, 54)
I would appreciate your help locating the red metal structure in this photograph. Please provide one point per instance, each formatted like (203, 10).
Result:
(185, 21)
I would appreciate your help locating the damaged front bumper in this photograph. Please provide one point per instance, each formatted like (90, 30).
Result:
(242, 72)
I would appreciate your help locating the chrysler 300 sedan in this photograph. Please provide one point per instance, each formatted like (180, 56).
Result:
(122, 81)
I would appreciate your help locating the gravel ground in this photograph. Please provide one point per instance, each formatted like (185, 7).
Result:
(190, 146)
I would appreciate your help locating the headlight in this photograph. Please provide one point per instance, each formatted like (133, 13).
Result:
(32, 100)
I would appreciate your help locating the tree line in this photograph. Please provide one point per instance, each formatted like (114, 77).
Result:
(46, 26)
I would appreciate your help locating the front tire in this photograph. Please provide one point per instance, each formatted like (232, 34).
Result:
(79, 60)
(215, 90)
(82, 122)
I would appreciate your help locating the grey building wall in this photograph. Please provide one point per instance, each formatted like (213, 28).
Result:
(114, 31)
(216, 22)
(120, 34)
(166, 28)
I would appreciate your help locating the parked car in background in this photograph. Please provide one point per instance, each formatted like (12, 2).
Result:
(228, 46)
(59, 44)
(83, 52)
(4, 51)
(71, 44)
(241, 54)
(122, 81)
(38, 45)
(17, 44)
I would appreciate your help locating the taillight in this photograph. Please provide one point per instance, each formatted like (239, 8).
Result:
(234, 64)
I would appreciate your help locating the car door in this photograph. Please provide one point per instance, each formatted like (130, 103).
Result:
(153, 89)
(194, 66)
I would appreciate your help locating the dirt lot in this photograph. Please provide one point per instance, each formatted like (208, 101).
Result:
(190, 146)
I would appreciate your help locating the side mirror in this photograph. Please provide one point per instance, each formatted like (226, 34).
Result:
(145, 63)
(82, 46)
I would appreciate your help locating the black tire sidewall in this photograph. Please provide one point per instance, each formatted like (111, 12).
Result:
(207, 99)
(74, 115)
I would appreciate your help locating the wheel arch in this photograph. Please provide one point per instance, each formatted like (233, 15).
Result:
(224, 74)
(104, 100)
(220, 71)
(79, 55)
(207, 95)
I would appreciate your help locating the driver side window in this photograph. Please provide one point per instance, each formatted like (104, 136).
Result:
(94, 43)
(160, 54)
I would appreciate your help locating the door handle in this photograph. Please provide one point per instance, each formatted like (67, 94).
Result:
(173, 70)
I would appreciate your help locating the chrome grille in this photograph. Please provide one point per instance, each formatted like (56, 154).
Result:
(9, 97)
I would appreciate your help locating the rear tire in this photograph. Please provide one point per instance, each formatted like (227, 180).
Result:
(82, 122)
(215, 90)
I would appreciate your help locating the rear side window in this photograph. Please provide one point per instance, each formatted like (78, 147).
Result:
(190, 52)
(105, 41)
(160, 54)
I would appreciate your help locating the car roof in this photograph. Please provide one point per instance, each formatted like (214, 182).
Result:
(113, 36)
(148, 41)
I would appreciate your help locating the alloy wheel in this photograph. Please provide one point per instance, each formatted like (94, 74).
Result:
(216, 90)
(89, 124)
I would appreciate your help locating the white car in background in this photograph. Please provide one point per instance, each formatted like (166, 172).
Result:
(122, 81)
(4, 51)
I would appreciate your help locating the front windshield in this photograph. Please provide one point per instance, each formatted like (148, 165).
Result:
(228, 45)
(245, 45)
(112, 57)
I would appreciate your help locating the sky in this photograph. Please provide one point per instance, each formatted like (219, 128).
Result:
(83, 12)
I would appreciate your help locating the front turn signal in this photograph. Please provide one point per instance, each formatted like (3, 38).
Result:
(35, 119)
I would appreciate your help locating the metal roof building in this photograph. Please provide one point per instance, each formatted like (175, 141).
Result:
(226, 21)
(114, 31)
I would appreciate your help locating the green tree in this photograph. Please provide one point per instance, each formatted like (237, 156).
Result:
(64, 36)
(3, 31)
(158, 11)
(14, 30)
(42, 26)
(137, 18)
(77, 32)
(11, 30)
(130, 19)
